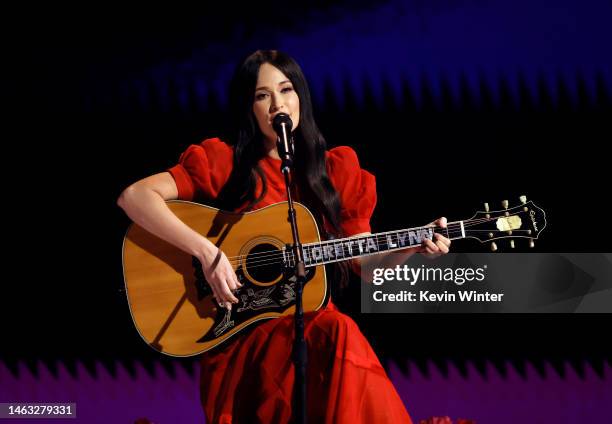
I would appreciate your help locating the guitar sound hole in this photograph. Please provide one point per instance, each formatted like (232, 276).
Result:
(264, 263)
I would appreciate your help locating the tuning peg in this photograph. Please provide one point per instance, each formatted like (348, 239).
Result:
(531, 243)
(505, 204)
(512, 244)
(493, 246)
(486, 205)
(523, 199)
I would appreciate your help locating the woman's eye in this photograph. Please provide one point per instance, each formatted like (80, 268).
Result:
(260, 96)
(287, 89)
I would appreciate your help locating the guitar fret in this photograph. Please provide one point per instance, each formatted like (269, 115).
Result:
(322, 246)
(338, 249)
(349, 247)
(348, 250)
(314, 251)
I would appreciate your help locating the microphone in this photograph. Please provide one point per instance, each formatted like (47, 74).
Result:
(282, 126)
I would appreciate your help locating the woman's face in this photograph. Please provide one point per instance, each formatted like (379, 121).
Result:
(274, 94)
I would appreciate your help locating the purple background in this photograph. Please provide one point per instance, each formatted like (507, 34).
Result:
(485, 394)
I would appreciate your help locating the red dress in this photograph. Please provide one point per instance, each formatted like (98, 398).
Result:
(250, 380)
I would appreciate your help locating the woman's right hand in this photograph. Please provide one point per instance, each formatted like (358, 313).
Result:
(145, 203)
(220, 276)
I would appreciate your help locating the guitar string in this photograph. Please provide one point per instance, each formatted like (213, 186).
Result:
(278, 257)
(453, 226)
(326, 242)
(266, 256)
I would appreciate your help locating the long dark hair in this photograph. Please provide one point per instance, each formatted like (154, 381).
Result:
(315, 189)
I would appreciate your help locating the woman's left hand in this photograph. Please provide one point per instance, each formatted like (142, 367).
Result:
(440, 244)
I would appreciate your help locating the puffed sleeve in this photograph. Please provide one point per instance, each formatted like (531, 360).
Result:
(356, 188)
(203, 169)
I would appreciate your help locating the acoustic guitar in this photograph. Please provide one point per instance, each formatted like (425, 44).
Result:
(173, 307)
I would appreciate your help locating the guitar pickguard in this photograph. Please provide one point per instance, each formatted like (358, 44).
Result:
(254, 300)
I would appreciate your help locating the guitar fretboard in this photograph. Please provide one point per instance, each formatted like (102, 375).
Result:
(371, 244)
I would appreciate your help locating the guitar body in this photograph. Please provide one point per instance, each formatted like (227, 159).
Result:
(173, 307)
(171, 303)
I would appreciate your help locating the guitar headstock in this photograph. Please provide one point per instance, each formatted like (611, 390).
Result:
(523, 222)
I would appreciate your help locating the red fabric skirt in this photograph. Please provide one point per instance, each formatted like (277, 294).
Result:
(250, 380)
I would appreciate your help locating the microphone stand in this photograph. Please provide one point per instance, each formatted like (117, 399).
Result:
(299, 345)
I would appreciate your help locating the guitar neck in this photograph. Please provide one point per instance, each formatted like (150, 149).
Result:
(372, 244)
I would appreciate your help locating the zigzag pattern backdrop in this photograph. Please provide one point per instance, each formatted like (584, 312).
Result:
(170, 393)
